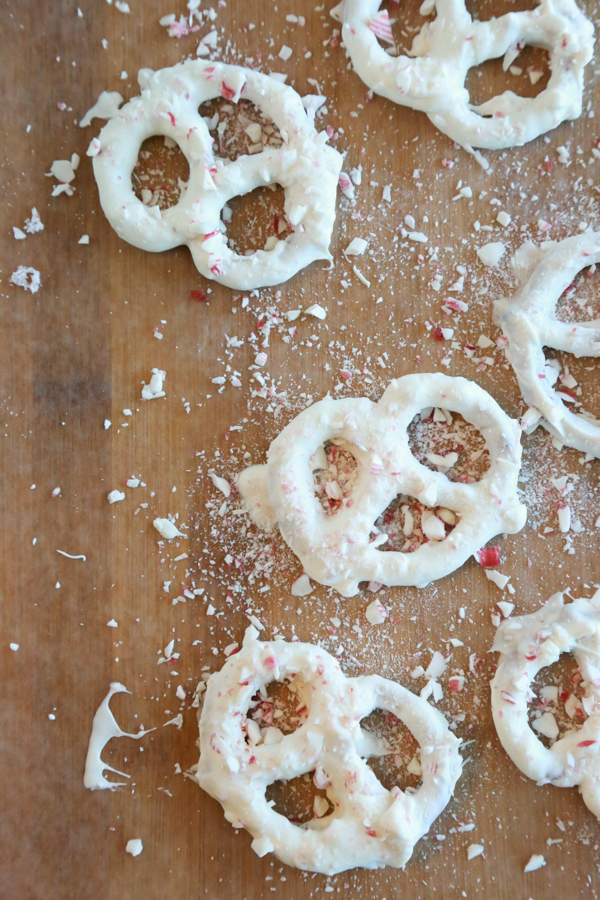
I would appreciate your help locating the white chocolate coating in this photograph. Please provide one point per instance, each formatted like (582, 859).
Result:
(339, 550)
(432, 79)
(530, 324)
(526, 645)
(369, 826)
(104, 728)
(304, 166)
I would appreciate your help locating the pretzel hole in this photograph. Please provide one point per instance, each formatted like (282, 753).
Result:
(445, 442)
(400, 765)
(257, 220)
(574, 382)
(405, 20)
(580, 302)
(335, 470)
(483, 10)
(557, 691)
(277, 710)
(299, 800)
(527, 75)
(238, 129)
(409, 524)
(161, 173)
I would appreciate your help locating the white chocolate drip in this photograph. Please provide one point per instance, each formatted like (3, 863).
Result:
(104, 728)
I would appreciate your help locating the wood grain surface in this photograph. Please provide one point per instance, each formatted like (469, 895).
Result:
(76, 353)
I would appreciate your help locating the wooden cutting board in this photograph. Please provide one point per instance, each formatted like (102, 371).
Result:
(76, 353)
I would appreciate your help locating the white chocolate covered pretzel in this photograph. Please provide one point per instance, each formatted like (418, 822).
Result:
(368, 825)
(342, 549)
(304, 166)
(432, 78)
(529, 323)
(526, 645)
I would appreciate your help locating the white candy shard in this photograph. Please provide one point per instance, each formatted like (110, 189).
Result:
(115, 496)
(505, 607)
(491, 254)
(317, 311)
(302, 586)
(167, 529)
(63, 170)
(221, 484)
(564, 518)
(546, 725)
(376, 613)
(497, 578)
(536, 862)
(154, 390)
(356, 247)
(474, 850)
(436, 667)
(134, 846)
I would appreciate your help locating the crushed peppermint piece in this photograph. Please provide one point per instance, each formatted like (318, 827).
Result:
(134, 846)
(474, 850)
(436, 667)
(27, 278)
(546, 724)
(34, 223)
(505, 607)
(115, 496)
(491, 254)
(381, 27)
(155, 389)
(220, 483)
(564, 518)
(302, 586)
(356, 247)
(317, 311)
(94, 148)
(488, 557)
(167, 529)
(497, 578)
(536, 862)
(376, 613)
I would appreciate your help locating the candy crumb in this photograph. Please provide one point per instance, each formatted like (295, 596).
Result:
(474, 850)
